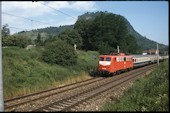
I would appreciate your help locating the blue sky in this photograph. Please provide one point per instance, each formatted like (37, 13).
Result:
(148, 18)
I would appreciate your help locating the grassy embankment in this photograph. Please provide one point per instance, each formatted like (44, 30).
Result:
(150, 93)
(24, 72)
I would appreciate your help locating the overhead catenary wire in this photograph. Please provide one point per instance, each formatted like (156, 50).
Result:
(35, 20)
(24, 18)
(57, 10)
(18, 28)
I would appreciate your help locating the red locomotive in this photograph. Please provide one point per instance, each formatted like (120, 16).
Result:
(114, 63)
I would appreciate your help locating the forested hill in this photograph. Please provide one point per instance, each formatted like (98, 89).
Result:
(142, 41)
(45, 32)
(102, 31)
(54, 30)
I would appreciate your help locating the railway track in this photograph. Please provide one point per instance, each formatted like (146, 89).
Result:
(68, 97)
(18, 101)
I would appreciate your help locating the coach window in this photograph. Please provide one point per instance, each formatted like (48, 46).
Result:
(101, 58)
(108, 59)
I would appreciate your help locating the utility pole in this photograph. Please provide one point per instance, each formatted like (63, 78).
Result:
(157, 51)
(75, 46)
(1, 77)
(118, 49)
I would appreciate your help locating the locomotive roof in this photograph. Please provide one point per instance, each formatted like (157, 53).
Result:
(116, 54)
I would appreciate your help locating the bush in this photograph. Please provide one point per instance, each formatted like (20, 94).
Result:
(59, 52)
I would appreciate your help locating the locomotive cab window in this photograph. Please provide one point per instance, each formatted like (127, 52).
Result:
(101, 58)
(108, 59)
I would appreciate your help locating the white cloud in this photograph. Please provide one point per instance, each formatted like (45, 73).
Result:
(37, 11)
(59, 4)
(78, 5)
(84, 6)
(25, 9)
(28, 9)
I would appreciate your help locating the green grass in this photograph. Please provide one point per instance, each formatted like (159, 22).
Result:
(24, 71)
(150, 93)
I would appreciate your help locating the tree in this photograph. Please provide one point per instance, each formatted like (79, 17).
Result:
(5, 31)
(72, 37)
(6, 41)
(50, 39)
(23, 41)
(82, 27)
(132, 44)
(13, 40)
(38, 41)
(59, 52)
(105, 32)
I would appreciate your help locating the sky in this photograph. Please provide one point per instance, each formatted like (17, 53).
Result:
(148, 18)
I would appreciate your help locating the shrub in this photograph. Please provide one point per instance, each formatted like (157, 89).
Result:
(59, 52)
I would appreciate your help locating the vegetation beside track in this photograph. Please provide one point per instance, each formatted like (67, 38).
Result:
(150, 93)
(25, 72)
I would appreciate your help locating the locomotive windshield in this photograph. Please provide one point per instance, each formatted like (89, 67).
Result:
(101, 58)
(108, 59)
